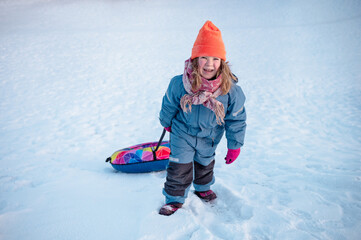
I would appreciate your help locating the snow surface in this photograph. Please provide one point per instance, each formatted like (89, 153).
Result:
(82, 79)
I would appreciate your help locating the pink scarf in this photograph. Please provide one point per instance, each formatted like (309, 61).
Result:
(206, 95)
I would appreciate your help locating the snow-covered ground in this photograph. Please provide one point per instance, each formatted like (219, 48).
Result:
(82, 79)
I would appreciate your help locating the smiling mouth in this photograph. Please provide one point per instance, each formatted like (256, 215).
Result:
(208, 70)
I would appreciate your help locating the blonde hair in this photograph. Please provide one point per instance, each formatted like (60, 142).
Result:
(224, 69)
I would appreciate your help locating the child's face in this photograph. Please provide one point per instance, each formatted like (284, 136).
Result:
(208, 66)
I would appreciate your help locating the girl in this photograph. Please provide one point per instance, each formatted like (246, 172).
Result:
(197, 108)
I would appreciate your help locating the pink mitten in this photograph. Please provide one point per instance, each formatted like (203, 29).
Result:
(169, 129)
(232, 155)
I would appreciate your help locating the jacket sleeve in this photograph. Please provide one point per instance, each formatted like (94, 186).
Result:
(170, 103)
(235, 119)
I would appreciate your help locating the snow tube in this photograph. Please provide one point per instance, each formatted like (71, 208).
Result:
(142, 158)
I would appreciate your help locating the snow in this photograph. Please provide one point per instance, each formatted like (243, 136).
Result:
(82, 79)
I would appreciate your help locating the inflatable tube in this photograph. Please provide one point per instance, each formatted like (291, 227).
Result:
(142, 158)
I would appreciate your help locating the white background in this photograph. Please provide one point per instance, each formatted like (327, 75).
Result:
(82, 79)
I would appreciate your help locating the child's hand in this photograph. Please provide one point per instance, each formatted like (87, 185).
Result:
(168, 129)
(232, 155)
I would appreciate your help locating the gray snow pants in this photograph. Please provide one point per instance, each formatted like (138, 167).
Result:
(191, 160)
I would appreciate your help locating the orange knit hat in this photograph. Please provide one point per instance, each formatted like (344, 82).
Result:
(209, 42)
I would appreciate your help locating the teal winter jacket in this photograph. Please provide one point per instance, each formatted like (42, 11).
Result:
(201, 121)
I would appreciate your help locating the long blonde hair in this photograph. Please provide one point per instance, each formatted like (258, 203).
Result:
(224, 69)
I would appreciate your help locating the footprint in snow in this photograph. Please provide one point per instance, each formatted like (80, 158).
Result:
(224, 217)
(229, 206)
